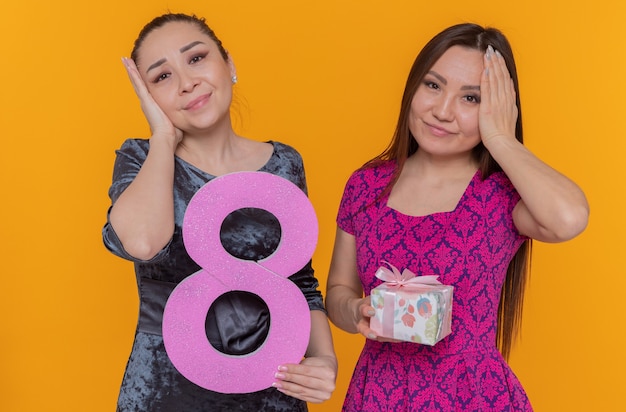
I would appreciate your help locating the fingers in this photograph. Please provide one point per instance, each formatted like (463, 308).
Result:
(496, 77)
(505, 89)
(135, 78)
(311, 381)
(141, 90)
(158, 121)
(498, 109)
(138, 84)
(363, 325)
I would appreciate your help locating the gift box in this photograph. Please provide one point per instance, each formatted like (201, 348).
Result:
(411, 308)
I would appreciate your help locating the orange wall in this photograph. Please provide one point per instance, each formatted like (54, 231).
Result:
(325, 76)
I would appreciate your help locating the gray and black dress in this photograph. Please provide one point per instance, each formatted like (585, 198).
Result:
(151, 383)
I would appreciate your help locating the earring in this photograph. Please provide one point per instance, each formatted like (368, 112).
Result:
(234, 79)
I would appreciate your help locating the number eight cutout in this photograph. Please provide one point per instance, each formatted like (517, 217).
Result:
(184, 332)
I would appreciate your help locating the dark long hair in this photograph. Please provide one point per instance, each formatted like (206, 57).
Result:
(404, 145)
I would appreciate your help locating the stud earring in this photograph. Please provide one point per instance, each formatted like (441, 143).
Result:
(234, 79)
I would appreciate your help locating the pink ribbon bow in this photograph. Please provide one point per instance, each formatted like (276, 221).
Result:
(406, 279)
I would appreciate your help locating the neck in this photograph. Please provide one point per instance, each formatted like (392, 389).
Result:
(428, 166)
(210, 150)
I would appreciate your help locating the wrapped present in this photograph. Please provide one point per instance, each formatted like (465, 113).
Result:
(411, 308)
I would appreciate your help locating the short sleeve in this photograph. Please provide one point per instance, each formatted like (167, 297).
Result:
(345, 215)
(508, 198)
(128, 161)
(363, 194)
(287, 163)
(307, 283)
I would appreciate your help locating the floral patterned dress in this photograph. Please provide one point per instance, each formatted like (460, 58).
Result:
(469, 248)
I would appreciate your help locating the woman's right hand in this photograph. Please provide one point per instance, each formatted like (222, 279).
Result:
(346, 306)
(143, 215)
(365, 311)
(160, 124)
(362, 314)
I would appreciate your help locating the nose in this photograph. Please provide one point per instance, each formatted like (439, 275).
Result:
(186, 82)
(443, 108)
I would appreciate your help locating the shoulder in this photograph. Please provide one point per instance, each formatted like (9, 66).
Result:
(135, 148)
(497, 181)
(375, 176)
(128, 161)
(499, 178)
(497, 189)
(285, 151)
(367, 184)
(362, 194)
(287, 162)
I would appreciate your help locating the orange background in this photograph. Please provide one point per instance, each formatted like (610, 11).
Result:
(326, 77)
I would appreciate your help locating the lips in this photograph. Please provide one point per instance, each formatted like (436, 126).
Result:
(198, 102)
(438, 130)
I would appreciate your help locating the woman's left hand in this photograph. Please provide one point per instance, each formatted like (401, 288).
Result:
(498, 111)
(552, 207)
(313, 380)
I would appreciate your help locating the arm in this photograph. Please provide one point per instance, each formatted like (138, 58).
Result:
(347, 308)
(552, 207)
(313, 380)
(143, 215)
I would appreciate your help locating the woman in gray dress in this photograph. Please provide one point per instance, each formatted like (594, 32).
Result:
(184, 79)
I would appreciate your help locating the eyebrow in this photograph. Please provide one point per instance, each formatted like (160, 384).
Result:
(190, 45)
(182, 50)
(445, 82)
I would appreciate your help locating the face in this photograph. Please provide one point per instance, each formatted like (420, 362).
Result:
(444, 109)
(187, 76)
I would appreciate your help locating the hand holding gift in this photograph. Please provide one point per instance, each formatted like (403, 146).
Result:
(411, 308)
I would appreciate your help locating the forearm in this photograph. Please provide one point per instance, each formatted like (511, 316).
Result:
(321, 340)
(143, 215)
(342, 304)
(552, 207)
(556, 205)
(344, 292)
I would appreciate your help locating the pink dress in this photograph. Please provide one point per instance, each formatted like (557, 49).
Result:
(469, 248)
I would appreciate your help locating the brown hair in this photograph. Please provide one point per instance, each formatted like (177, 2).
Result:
(164, 19)
(404, 145)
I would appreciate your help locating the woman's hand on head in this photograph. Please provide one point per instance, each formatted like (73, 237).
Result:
(498, 111)
(160, 125)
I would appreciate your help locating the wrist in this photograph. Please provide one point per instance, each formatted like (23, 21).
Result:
(498, 139)
(164, 141)
(323, 360)
(355, 309)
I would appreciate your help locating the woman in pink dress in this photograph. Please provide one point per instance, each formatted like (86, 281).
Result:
(456, 194)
